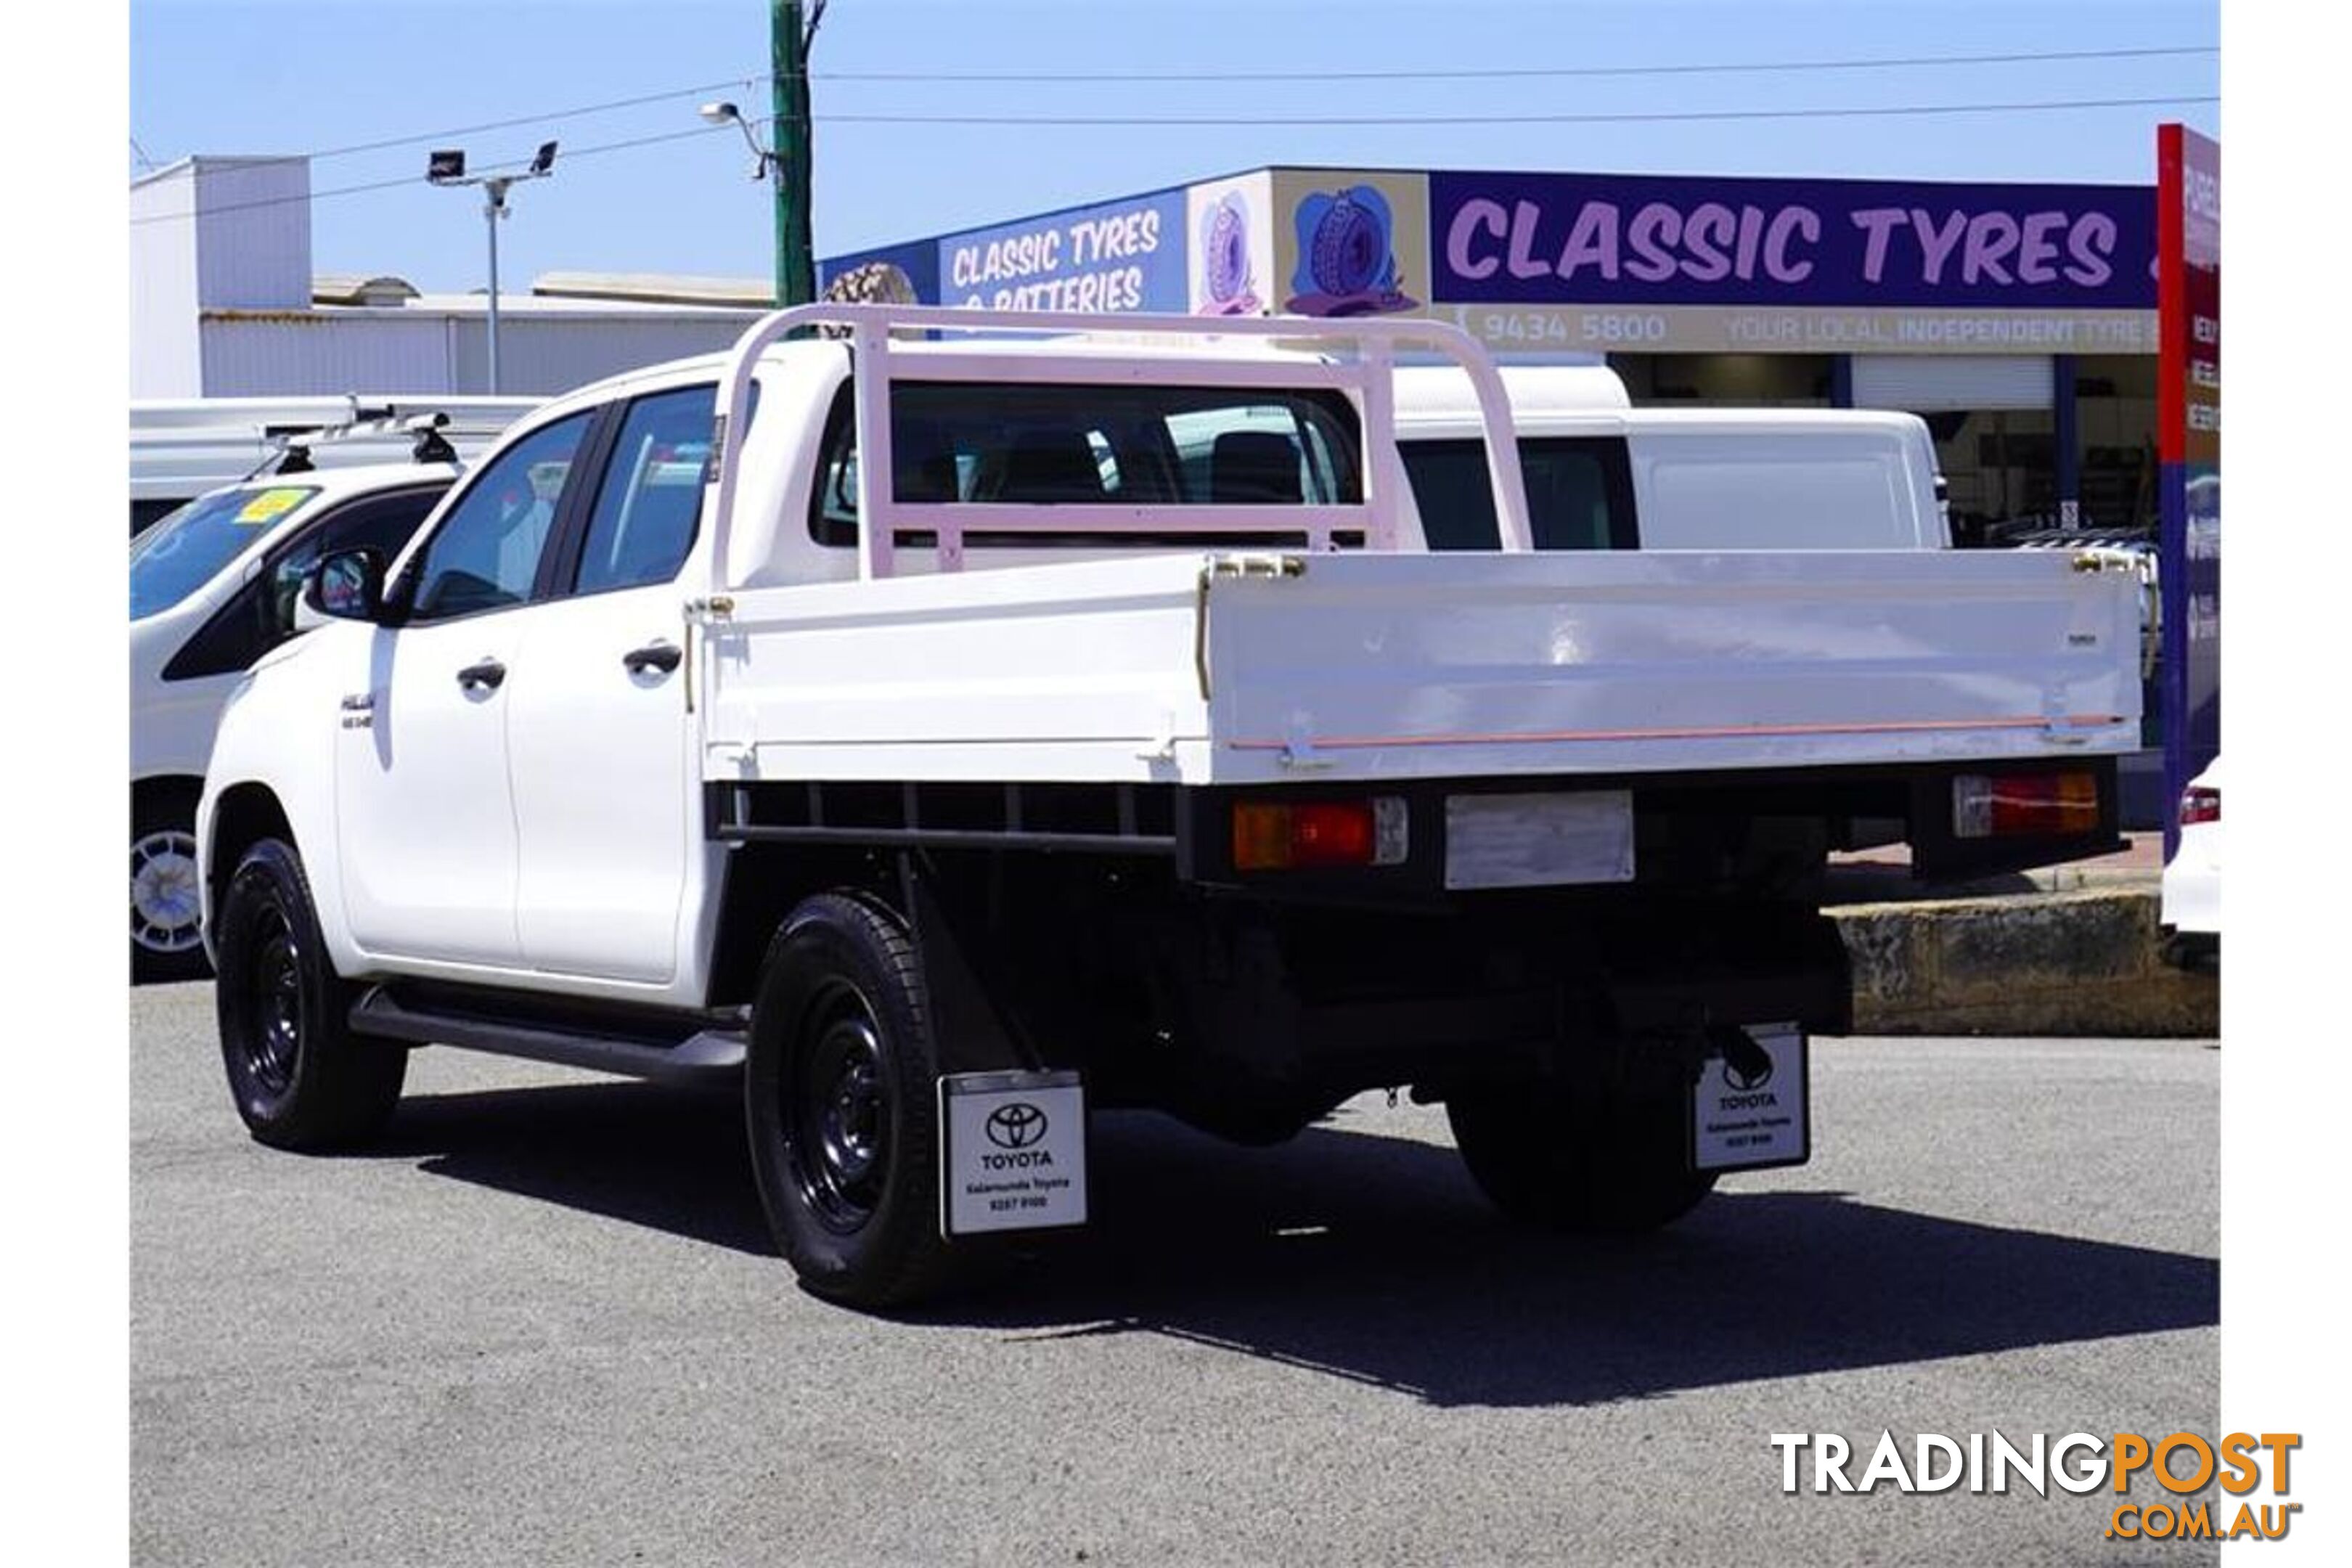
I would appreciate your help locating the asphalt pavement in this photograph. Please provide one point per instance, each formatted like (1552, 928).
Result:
(541, 1323)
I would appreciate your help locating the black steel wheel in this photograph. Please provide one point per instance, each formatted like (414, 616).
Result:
(840, 1104)
(1587, 1159)
(299, 1076)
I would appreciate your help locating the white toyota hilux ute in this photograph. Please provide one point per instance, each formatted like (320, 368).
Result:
(1010, 730)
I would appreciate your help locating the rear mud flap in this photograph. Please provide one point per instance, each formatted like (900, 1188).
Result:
(1751, 1109)
(1013, 1153)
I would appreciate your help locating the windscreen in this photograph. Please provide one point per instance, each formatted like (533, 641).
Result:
(186, 549)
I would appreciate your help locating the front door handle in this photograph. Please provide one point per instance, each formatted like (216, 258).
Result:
(484, 675)
(660, 656)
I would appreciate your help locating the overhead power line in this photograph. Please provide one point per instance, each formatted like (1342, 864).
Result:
(1504, 72)
(577, 111)
(516, 164)
(1857, 111)
(751, 82)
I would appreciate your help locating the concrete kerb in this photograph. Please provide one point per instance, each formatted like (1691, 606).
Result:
(2082, 959)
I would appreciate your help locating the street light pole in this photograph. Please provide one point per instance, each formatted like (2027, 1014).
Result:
(496, 190)
(446, 167)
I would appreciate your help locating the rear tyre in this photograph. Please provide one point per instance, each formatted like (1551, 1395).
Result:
(840, 1103)
(1595, 1163)
(300, 1078)
(164, 934)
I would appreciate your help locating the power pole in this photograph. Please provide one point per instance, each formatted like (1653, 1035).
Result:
(788, 47)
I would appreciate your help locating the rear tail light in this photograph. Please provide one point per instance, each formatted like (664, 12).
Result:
(1270, 835)
(2003, 804)
(2198, 804)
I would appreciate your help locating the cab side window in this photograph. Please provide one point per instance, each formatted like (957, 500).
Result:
(485, 556)
(650, 501)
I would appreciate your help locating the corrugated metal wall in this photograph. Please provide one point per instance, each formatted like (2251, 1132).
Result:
(293, 354)
(548, 355)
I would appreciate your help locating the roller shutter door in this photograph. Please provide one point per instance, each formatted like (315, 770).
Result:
(1930, 384)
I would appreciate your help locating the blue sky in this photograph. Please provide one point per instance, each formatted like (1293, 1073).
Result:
(275, 76)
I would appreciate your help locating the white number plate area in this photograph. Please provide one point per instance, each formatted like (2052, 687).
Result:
(1013, 1151)
(1744, 1118)
(1539, 840)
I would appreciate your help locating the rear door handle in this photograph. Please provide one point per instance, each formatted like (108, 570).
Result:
(484, 675)
(661, 656)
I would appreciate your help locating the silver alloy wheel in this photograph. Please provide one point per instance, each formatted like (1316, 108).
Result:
(165, 904)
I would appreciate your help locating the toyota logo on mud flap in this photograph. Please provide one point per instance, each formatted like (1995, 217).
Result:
(1753, 1076)
(1015, 1126)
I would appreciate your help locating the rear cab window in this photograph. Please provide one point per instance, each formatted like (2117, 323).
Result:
(1085, 443)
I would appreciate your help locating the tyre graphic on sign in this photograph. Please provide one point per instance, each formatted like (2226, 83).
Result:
(1347, 259)
(1226, 271)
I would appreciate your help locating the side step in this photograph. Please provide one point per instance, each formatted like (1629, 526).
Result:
(706, 1057)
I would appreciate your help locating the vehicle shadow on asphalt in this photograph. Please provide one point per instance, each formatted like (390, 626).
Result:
(1375, 1260)
(670, 1160)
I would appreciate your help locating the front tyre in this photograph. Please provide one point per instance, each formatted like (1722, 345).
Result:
(1589, 1161)
(300, 1078)
(840, 1102)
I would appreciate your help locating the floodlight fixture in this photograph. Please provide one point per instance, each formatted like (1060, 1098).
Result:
(446, 167)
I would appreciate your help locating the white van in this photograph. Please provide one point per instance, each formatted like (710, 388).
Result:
(213, 588)
(1602, 475)
(182, 448)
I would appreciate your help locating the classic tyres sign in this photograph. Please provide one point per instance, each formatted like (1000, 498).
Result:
(1602, 263)
(1602, 239)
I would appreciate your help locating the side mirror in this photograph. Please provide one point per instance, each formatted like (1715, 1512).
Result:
(347, 586)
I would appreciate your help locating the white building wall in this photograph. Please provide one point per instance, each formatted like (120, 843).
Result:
(253, 233)
(164, 357)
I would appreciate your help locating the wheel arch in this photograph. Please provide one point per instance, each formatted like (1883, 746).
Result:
(158, 788)
(242, 815)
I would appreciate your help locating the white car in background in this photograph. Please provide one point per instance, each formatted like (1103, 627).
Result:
(213, 588)
(1603, 475)
(2191, 909)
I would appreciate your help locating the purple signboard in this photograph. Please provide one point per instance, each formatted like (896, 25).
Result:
(1603, 239)
(1122, 256)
